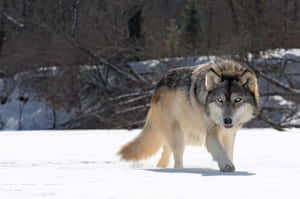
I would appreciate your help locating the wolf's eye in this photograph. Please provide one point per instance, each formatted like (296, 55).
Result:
(220, 100)
(237, 100)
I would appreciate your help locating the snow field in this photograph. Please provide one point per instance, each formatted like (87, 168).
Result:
(84, 165)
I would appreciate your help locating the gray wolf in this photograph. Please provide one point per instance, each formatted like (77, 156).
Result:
(198, 105)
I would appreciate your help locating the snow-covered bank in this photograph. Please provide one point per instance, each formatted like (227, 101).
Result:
(42, 111)
(84, 164)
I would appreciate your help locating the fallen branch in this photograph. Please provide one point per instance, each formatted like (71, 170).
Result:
(278, 93)
(271, 123)
(131, 109)
(134, 99)
(130, 125)
(148, 93)
(278, 83)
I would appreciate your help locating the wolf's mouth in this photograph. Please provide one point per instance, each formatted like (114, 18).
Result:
(228, 126)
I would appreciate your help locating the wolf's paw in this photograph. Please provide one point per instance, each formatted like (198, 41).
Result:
(228, 168)
(162, 164)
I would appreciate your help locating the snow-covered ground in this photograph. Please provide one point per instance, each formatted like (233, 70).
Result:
(84, 165)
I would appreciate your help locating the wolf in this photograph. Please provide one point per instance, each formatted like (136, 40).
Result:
(199, 105)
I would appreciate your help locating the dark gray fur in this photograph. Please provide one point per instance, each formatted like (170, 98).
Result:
(182, 78)
(177, 78)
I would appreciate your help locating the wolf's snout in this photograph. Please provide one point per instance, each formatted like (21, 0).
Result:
(227, 120)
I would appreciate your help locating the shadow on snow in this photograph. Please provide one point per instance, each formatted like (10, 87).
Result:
(202, 171)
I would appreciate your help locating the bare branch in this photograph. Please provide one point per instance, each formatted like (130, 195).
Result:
(278, 93)
(131, 109)
(13, 20)
(271, 123)
(77, 44)
(130, 125)
(270, 108)
(148, 93)
(278, 83)
(75, 16)
(134, 99)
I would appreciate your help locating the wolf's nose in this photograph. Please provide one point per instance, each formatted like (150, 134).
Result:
(227, 120)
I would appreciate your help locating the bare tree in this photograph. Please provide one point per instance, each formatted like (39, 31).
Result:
(3, 19)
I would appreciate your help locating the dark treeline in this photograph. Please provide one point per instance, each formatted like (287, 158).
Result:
(109, 34)
(70, 32)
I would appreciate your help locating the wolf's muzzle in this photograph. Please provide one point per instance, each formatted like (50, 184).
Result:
(228, 122)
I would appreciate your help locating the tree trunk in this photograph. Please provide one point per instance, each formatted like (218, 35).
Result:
(235, 20)
(210, 24)
(2, 24)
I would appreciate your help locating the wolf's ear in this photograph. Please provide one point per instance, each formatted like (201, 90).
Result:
(212, 79)
(248, 80)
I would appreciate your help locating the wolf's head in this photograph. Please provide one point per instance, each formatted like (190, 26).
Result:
(232, 99)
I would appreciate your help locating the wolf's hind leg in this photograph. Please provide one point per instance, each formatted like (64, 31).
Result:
(177, 145)
(214, 146)
(165, 157)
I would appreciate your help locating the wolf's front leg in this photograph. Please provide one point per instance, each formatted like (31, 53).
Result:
(216, 149)
(228, 143)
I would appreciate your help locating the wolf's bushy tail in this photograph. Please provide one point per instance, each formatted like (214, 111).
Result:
(144, 145)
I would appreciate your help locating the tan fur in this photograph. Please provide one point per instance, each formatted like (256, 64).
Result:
(165, 157)
(174, 121)
(227, 140)
(163, 120)
(144, 145)
(212, 79)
